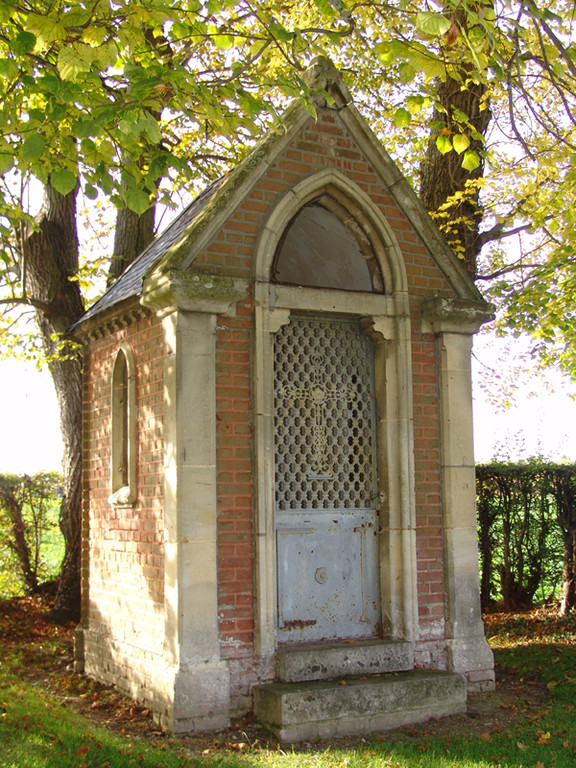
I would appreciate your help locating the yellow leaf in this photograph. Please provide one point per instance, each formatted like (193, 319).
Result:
(94, 36)
(544, 738)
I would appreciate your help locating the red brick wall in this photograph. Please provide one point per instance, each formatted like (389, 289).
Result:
(125, 591)
(235, 481)
(429, 537)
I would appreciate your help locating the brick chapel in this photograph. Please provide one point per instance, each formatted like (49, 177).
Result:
(279, 486)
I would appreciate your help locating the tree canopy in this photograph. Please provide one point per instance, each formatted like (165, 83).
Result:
(120, 96)
(126, 102)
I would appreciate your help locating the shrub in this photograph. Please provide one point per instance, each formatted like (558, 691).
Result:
(31, 545)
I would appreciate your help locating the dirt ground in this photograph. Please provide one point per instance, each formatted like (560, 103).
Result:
(47, 651)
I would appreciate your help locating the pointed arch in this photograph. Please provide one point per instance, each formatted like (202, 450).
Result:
(123, 428)
(347, 201)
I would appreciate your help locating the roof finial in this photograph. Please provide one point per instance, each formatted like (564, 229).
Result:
(323, 78)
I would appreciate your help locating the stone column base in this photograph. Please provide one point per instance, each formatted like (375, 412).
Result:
(473, 658)
(193, 697)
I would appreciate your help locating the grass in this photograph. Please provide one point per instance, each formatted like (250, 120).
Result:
(534, 728)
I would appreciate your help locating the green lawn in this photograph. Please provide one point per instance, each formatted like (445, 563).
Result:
(38, 727)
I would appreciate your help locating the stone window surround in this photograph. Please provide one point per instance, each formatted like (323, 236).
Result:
(123, 429)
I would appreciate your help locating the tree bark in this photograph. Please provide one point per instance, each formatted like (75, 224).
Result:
(442, 176)
(50, 257)
(568, 599)
(133, 233)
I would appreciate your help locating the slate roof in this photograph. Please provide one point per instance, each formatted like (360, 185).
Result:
(130, 282)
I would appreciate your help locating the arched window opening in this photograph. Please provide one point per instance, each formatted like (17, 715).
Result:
(320, 249)
(123, 453)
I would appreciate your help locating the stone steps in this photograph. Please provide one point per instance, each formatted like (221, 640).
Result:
(300, 711)
(336, 660)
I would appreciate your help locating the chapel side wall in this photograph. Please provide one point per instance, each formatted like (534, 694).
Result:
(124, 599)
(323, 144)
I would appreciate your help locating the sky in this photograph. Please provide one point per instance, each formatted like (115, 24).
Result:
(540, 421)
(518, 412)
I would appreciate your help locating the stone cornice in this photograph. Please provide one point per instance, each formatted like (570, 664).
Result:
(192, 292)
(105, 323)
(448, 315)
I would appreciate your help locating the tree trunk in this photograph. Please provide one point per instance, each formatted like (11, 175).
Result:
(13, 503)
(568, 600)
(49, 269)
(442, 176)
(50, 261)
(133, 233)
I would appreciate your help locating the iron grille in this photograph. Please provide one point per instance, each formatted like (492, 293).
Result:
(325, 415)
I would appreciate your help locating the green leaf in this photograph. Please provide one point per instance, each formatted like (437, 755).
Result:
(471, 160)
(423, 61)
(6, 11)
(36, 114)
(152, 128)
(444, 144)
(6, 162)
(63, 181)
(415, 104)
(70, 64)
(90, 191)
(432, 24)
(83, 129)
(280, 32)
(137, 200)
(407, 72)
(46, 28)
(106, 54)
(460, 142)
(8, 69)
(77, 17)
(223, 42)
(401, 118)
(33, 148)
(24, 42)
(94, 36)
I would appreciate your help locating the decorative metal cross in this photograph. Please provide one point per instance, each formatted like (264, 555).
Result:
(320, 395)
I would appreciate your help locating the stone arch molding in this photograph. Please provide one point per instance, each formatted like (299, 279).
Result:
(349, 195)
(385, 318)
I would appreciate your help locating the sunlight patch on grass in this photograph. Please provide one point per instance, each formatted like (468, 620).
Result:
(37, 730)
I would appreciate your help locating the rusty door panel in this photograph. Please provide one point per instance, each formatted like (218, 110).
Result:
(327, 580)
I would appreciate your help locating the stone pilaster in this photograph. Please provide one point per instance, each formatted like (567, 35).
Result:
(454, 323)
(192, 687)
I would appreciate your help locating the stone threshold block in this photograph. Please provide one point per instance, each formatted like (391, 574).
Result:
(322, 709)
(303, 663)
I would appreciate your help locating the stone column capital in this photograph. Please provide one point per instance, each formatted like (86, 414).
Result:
(442, 314)
(167, 292)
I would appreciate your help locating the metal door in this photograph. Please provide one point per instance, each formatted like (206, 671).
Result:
(325, 481)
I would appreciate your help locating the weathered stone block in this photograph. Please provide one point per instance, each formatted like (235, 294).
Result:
(298, 711)
(343, 659)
